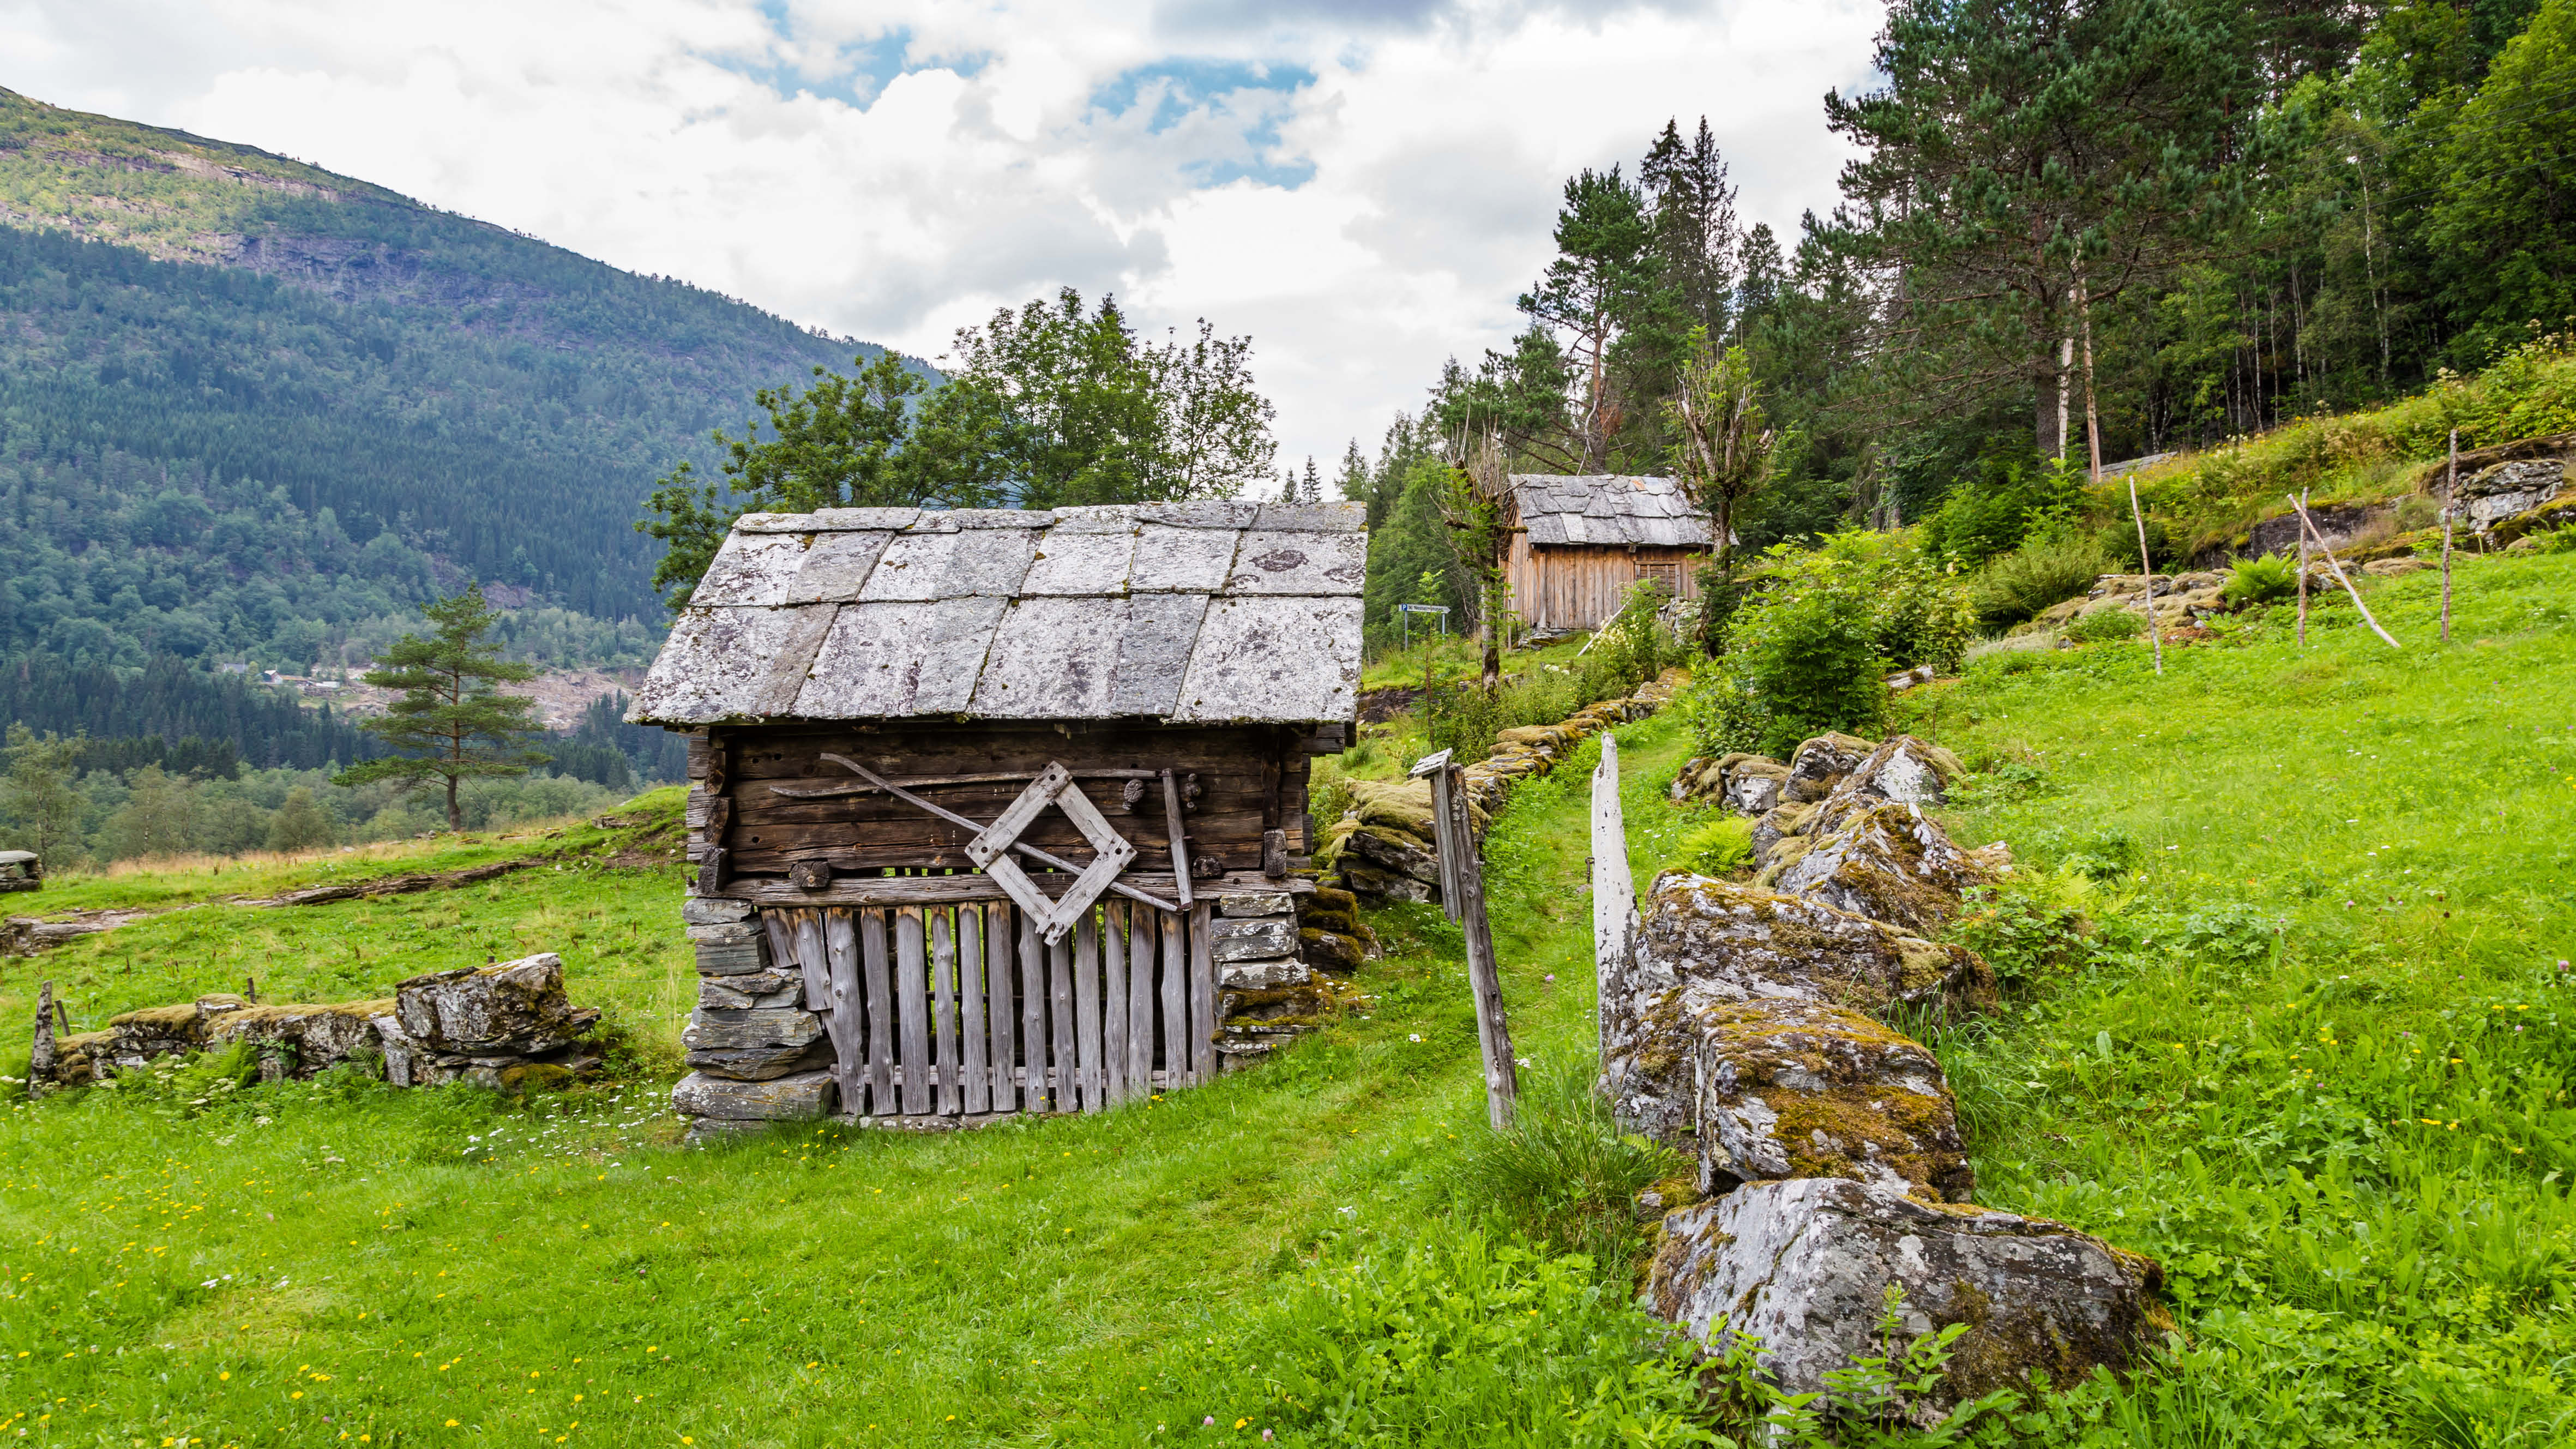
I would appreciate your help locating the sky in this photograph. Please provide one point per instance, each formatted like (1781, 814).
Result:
(1362, 188)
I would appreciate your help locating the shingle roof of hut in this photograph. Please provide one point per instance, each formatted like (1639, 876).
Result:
(1609, 509)
(1188, 612)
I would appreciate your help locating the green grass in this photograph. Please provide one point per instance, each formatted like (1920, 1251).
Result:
(615, 927)
(443, 1254)
(2317, 1056)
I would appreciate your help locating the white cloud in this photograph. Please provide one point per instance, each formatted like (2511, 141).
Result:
(1361, 187)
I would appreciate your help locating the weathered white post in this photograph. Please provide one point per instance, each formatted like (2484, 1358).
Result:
(1614, 890)
(40, 1061)
(1462, 878)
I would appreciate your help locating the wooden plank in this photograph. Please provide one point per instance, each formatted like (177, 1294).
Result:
(1456, 829)
(976, 1096)
(1140, 1000)
(1202, 995)
(944, 1056)
(998, 1007)
(862, 787)
(846, 1021)
(1179, 858)
(811, 963)
(912, 1011)
(938, 890)
(1086, 1009)
(1063, 1049)
(1113, 1003)
(1020, 814)
(872, 960)
(1176, 996)
(1033, 1017)
(1614, 889)
(782, 951)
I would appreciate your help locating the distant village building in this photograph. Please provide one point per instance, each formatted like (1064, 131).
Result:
(1002, 811)
(1582, 542)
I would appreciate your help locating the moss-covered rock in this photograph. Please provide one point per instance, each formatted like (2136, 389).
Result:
(1802, 1266)
(1890, 863)
(1803, 1089)
(1703, 943)
(1820, 763)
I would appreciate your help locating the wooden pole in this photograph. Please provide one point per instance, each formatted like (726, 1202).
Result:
(2337, 569)
(40, 1061)
(1614, 890)
(2303, 577)
(1456, 829)
(2450, 490)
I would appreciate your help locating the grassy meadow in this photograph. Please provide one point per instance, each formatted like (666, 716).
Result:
(2284, 1008)
(291, 1263)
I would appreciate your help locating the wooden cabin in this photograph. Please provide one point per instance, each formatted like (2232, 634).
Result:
(1580, 543)
(997, 810)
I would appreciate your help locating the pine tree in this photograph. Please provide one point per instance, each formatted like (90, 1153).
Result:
(1694, 220)
(1601, 279)
(460, 726)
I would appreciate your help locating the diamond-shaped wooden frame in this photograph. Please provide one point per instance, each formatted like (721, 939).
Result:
(991, 852)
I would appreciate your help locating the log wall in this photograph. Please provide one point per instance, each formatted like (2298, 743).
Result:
(1250, 780)
(1583, 587)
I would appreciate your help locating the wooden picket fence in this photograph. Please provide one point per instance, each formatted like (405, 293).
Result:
(962, 1010)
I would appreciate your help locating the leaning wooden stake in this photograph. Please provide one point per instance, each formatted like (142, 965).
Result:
(1461, 862)
(40, 1061)
(2450, 490)
(1614, 890)
(2337, 569)
(2303, 577)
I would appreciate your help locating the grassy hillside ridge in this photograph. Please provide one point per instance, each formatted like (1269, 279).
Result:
(2210, 497)
(254, 412)
(2317, 1058)
(603, 894)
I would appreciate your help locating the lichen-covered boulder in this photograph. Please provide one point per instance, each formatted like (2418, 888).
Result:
(298, 1041)
(1901, 771)
(1820, 764)
(1783, 822)
(1803, 1089)
(1891, 863)
(1802, 1267)
(514, 1008)
(1703, 943)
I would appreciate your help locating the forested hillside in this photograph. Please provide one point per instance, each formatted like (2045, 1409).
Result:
(253, 412)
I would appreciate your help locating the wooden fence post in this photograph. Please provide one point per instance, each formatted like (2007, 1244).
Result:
(2337, 570)
(40, 1061)
(1614, 890)
(1462, 862)
(2450, 492)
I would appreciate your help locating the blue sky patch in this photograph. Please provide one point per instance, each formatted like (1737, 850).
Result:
(858, 73)
(1256, 94)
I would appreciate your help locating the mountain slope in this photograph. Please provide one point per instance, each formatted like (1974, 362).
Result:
(252, 411)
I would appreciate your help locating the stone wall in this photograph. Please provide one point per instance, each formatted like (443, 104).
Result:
(507, 1026)
(1744, 1029)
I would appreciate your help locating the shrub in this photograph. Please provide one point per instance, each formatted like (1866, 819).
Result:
(1564, 1175)
(2048, 569)
(2556, 540)
(2119, 541)
(1810, 652)
(1720, 847)
(1991, 513)
(2106, 626)
(2260, 580)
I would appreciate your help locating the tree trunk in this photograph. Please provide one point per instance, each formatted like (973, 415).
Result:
(455, 817)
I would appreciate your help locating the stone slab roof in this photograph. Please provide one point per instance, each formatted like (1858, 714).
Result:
(1612, 510)
(1212, 613)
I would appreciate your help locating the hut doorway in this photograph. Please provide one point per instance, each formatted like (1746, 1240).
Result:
(963, 1010)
